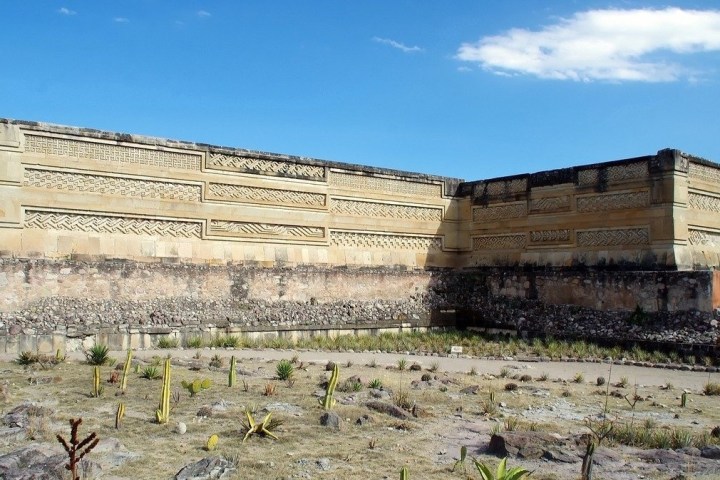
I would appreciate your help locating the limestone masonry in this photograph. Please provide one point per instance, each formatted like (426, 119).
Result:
(122, 238)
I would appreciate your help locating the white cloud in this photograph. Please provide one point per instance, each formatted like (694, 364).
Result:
(203, 13)
(66, 11)
(615, 45)
(121, 20)
(398, 45)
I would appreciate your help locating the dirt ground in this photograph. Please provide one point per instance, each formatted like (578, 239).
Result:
(429, 444)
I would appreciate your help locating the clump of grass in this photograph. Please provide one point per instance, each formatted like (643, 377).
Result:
(623, 383)
(512, 424)
(27, 358)
(226, 341)
(150, 372)
(711, 388)
(217, 361)
(579, 378)
(434, 367)
(402, 399)
(375, 383)
(402, 364)
(504, 373)
(194, 342)
(543, 377)
(473, 372)
(167, 342)
(270, 389)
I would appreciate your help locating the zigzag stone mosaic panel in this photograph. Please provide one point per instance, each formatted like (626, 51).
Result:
(704, 172)
(126, 187)
(386, 185)
(499, 212)
(384, 210)
(265, 229)
(258, 194)
(500, 242)
(624, 236)
(64, 147)
(562, 235)
(510, 186)
(78, 222)
(614, 173)
(704, 238)
(262, 166)
(550, 203)
(384, 241)
(704, 202)
(613, 201)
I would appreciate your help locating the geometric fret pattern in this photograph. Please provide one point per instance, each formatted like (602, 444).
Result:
(550, 203)
(372, 209)
(261, 166)
(613, 173)
(703, 238)
(498, 212)
(562, 235)
(243, 192)
(613, 201)
(507, 187)
(500, 242)
(387, 185)
(265, 229)
(384, 241)
(615, 237)
(80, 222)
(704, 202)
(704, 172)
(110, 153)
(127, 187)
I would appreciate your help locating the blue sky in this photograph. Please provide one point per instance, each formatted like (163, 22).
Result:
(468, 89)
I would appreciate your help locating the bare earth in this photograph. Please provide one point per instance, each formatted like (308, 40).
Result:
(429, 444)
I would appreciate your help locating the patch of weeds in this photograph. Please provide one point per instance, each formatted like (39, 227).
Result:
(226, 341)
(711, 388)
(623, 383)
(27, 358)
(434, 367)
(375, 383)
(543, 377)
(270, 389)
(512, 424)
(504, 373)
(150, 372)
(217, 361)
(579, 378)
(402, 364)
(194, 342)
(473, 372)
(402, 399)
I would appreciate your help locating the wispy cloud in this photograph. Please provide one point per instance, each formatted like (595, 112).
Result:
(203, 13)
(121, 20)
(66, 11)
(398, 45)
(611, 45)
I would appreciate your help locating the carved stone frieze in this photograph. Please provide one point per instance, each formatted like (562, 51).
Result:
(550, 236)
(613, 173)
(104, 152)
(107, 185)
(87, 222)
(708, 203)
(384, 241)
(513, 241)
(271, 195)
(386, 185)
(613, 201)
(262, 166)
(499, 212)
(502, 187)
(703, 172)
(614, 237)
(384, 210)
(550, 203)
(266, 229)
(704, 238)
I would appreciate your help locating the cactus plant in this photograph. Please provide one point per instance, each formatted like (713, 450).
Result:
(77, 448)
(196, 386)
(126, 370)
(97, 388)
(162, 414)
(211, 443)
(586, 472)
(232, 375)
(404, 474)
(328, 401)
(119, 415)
(683, 400)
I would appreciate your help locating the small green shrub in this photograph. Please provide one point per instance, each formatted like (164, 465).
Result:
(511, 386)
(98, 354)
(284, 369)
(27, 358)
(375, 383)
(194, 342)
(504, 372)
(167, 342)
(402, 364)
(226, 341)
(579, 378)
(623, 383)
(150, 372)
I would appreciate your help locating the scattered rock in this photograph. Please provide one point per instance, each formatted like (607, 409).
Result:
(521, 444)
(181, 428)
(471, 390)
(389, 409)
(711, 451)
(364, 419)
(209, 468)
(331, 420)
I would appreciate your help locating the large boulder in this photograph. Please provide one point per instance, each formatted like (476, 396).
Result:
(209, 468)
(522, 444)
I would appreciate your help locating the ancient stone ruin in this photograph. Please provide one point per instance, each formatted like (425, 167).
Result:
(121, 238)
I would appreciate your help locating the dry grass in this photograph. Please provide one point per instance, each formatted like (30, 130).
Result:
(395, 443)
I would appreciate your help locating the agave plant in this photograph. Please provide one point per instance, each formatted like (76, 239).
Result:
(98, 354)
(502, 473)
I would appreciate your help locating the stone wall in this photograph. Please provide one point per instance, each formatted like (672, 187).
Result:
(126, 238)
